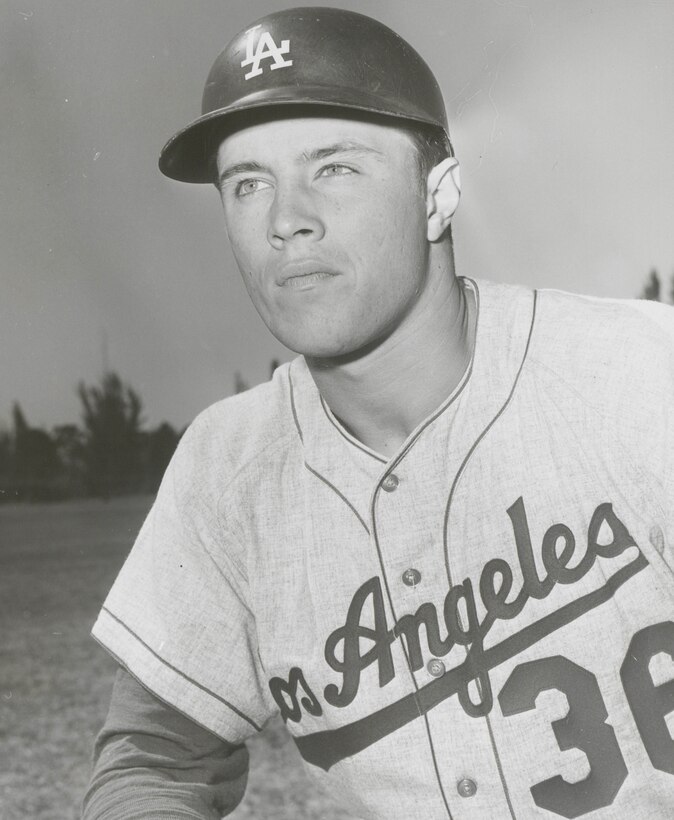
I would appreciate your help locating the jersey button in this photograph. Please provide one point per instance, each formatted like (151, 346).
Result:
(466, 787)
(390, 483)
(436, 668)
(411, 577)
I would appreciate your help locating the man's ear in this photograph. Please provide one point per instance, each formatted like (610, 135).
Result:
(442, 197)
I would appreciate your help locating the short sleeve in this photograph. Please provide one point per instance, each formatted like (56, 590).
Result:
(177, 616)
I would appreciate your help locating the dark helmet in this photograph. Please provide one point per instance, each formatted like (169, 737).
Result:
(307, 56)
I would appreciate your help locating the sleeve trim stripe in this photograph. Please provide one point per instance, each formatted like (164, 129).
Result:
(182, 674)
(159, 697)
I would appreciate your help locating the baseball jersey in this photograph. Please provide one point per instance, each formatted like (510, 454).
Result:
(480, 626)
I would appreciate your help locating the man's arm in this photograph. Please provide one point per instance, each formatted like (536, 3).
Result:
(151, 761)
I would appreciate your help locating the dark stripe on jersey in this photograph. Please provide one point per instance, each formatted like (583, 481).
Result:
(343, 497)
(352, 441)
(445, 538)
(480, 438)
(293, 408)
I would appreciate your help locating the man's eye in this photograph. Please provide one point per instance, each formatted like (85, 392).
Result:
(336, 170)
(250, 186)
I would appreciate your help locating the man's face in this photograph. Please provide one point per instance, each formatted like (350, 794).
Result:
(328, 226)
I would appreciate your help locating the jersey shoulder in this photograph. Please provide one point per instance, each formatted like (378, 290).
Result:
(594, 333)
(614, 353)
(253, 427)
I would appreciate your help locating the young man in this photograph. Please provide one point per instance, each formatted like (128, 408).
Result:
(459, 498)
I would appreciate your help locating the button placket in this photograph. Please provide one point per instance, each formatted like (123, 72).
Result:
(415, 585)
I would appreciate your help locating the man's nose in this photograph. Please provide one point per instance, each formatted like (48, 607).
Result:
(293, 216)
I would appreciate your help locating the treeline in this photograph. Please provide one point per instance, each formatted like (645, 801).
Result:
(109, 454)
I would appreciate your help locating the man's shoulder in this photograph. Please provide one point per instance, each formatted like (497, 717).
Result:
(570, 330)
(243, 428)
(605, 306)
(611, 345)
(601, 324)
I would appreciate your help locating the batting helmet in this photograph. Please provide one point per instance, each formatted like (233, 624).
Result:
(307, 56)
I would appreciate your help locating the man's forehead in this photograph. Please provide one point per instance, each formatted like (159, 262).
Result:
(311, 137)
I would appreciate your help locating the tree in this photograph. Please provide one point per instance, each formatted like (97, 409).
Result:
(5, 465)
(111, 413)
(159, 447)
(240, 384)
(651, 289)
(35, 461)
(70, 445)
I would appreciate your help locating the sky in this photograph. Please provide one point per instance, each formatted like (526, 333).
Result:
(561, 114)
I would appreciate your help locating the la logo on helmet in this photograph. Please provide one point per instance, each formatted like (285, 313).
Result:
(266, 48)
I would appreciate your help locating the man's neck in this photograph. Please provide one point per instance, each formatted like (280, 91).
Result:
(384, 394)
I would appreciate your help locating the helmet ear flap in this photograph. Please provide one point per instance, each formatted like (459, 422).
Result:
(314, 57)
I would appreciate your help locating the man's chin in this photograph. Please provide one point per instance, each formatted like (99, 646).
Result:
(316, 346)
(329, 341)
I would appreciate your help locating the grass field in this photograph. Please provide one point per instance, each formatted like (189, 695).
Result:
(56, 565)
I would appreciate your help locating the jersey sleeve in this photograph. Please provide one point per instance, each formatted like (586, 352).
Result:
(617, 357)
(650, 386)
(177, 616)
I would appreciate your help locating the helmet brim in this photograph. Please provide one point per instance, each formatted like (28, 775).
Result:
(187, 156)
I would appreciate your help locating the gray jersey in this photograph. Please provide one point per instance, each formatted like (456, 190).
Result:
(481, 626)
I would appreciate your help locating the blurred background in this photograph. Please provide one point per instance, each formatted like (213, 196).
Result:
(122, 314)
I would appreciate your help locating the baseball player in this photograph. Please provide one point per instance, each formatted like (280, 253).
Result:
(440, 541)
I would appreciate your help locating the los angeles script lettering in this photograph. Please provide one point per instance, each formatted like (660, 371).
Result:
(461, 621)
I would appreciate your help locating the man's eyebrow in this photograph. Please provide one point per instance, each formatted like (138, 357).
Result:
(241, 168)
(346, 147)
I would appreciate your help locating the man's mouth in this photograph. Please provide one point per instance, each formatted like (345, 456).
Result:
(304, 274)
(305, 280)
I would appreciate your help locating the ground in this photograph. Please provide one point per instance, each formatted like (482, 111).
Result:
(56, 565)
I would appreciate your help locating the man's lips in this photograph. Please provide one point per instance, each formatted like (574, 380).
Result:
(304, 274)
(307, 280)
